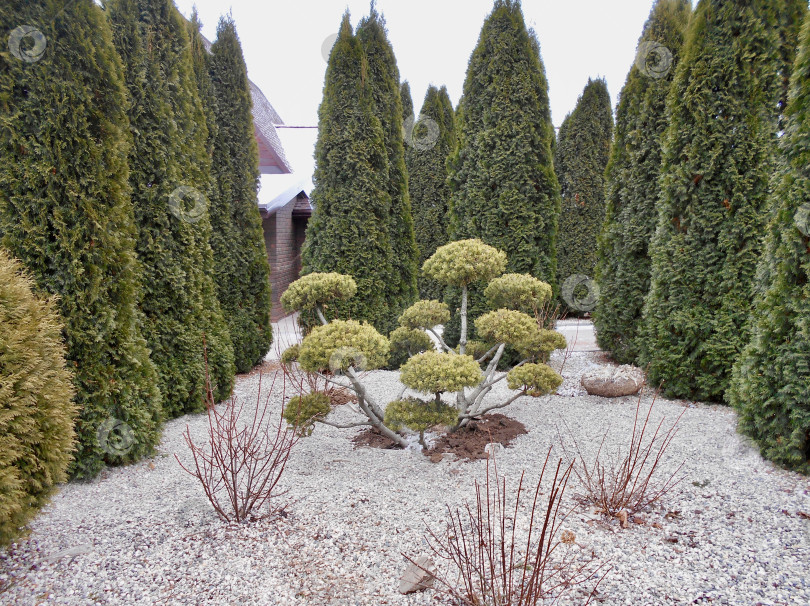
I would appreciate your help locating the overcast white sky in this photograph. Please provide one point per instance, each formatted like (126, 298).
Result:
(432, 39)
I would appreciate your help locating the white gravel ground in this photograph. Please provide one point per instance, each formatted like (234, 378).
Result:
(144, 534)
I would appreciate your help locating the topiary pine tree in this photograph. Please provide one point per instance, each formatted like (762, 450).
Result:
(580, 158)
(623, 267)
(770, 385)
(505, 191)
(170, 174)
(349, 229)
(427, 168)
(241, 268)
(383, 81)
(719, 149)
(65, 213)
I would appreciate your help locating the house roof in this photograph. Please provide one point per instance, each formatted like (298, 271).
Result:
(276, 191)
(265, 117)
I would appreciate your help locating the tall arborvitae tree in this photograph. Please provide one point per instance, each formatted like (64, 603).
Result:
(435, 135)
(65, 212)
(770, 385)
(240, 258)
(407, 106)
(348, 231)
(383, 80)
(505, 191)
(623, 268)
(170, 175)
(718, 156)
(580, 158)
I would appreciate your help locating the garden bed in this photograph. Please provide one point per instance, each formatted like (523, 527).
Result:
(732, 531)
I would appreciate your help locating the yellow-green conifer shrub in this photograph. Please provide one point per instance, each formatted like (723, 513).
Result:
(36, 400)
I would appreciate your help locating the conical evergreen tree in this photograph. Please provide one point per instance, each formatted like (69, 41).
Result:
(770, 385)
(719, 152)
(65, 212)
(241, 268)
(383, 80)
(623, 268)
(348, 231)
(580, 158)
(407, 105)
(505, 191)
(435, 135)
(170, 175)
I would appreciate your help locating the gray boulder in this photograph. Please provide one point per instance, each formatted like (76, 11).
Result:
(613, 381)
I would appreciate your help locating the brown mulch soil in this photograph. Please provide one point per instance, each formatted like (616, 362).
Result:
(466, 443)
(371, 438)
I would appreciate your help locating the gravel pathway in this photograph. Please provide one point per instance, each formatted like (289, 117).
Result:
(729, 533)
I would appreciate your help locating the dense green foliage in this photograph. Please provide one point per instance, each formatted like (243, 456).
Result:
(348, 232)
(241, 268)
(623, 267)
(536, 379)
(36, 400)
(433, 138)
(419, 415)
(407, 104)
(170, 175)
(407, 342)
(316, 290)
(425, 314)
(464, 262)
(383, 81)
(432, 372)
(505, 191)
(518, 291)
(580, 159)
(718, 157)
(341, 344)
(302, 411)
(770, 385)
(65, 213)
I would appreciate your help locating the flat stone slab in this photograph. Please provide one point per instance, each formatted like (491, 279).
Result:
(417, 576)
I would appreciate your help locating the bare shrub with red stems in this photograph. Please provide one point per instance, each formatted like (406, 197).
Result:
(631, 480)
(242, 464)
(493, 562)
